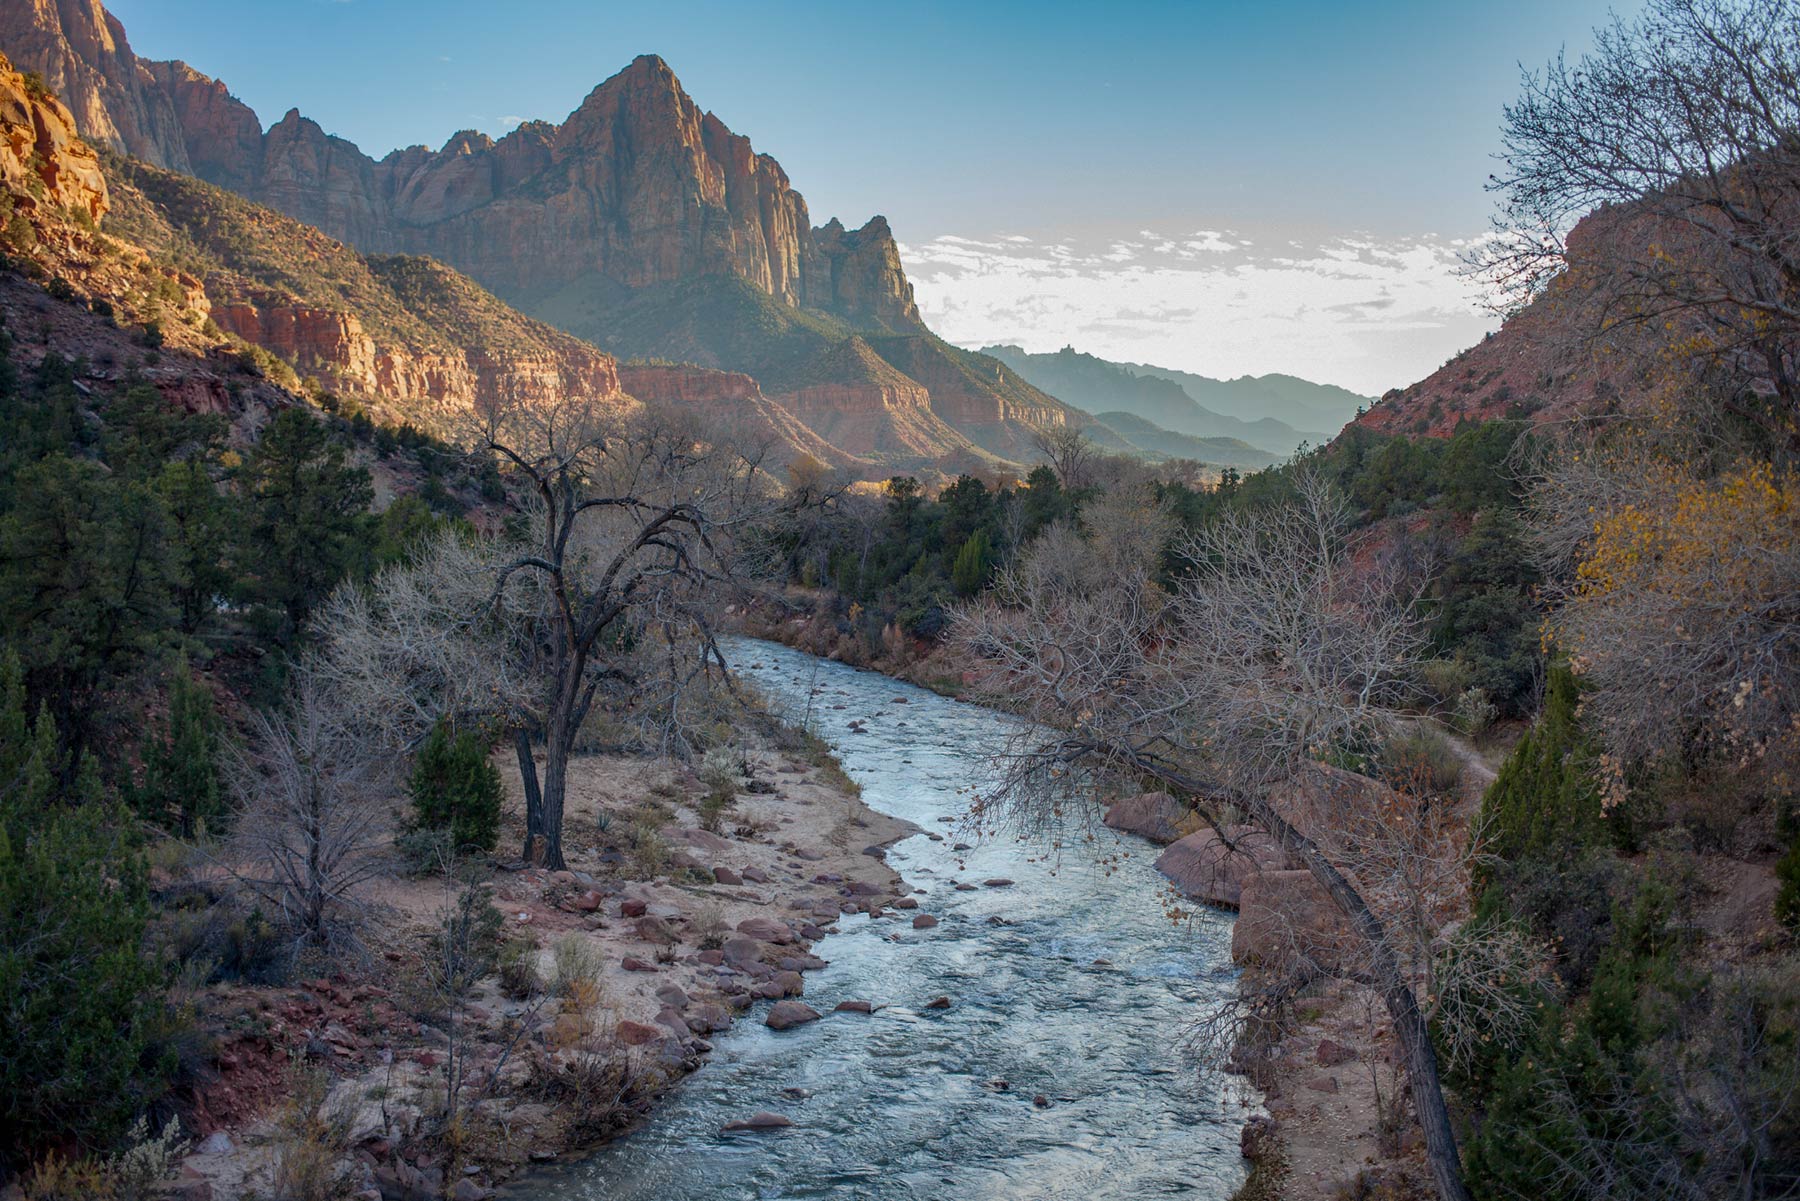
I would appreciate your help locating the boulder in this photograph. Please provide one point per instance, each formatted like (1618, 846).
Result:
(853, 1007)
(766, 929)
(938, 1003)
(786, 1014)
(708, 1018)
(633, 964)
(756, 875)
(741, 951)
(1330, 1053)
(1153, 815)
(1204, 867)
(1285, 918)
(725, 875)
(633, 907)
(924, 922)
(637, 1034)
(759, 1121)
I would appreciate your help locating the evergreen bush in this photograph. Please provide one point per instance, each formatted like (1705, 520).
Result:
(454, 788)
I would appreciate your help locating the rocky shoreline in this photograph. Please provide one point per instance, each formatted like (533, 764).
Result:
(671, 933)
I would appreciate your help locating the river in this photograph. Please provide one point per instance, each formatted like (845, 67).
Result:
(1070, 985)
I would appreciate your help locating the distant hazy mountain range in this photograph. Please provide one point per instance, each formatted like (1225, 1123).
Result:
(1273, 413)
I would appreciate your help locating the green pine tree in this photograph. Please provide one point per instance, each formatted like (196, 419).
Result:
(974, 564)
(456, 789)
(80, 1003)
(304, 519)
(180, 786)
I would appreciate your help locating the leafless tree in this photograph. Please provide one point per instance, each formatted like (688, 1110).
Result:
(1070, 453)
(1688, 119)
(1284, 642)
(610, 594)
(312, 815)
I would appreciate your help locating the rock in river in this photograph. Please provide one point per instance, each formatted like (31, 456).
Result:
(785, 1014)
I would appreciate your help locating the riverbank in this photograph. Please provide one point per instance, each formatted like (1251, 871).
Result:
(661, 933)
(1334, 1116)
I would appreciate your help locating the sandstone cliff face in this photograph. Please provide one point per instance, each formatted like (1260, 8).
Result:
(81, 51)
(221, 136)
(978, 395)
(434, 385)
(638, 185)
(686, 384)
(43, 162)
(868, 284)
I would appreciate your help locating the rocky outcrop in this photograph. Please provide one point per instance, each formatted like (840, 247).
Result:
(1549, 361)
(981, 397)
(1286, 923)
(686, 384)
(80, 51)
(221, 135)
(868, 285)
(436, 384)
(1208, 868)
(42, 158)
(1153, 815)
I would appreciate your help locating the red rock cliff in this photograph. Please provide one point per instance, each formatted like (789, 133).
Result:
(81, 52)
(42, 159)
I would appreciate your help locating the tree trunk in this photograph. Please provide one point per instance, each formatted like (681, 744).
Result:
(556, 769)
(1403, 1007)
(528, 778)
(1384, 966)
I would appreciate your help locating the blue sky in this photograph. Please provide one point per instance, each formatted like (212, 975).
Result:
(1300, 133)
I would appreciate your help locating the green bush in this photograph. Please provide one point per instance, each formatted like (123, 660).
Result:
(1787, 872)
(454, 788)
(1422, 759)
(80, 1003)
(179, 789)
(1545, 801)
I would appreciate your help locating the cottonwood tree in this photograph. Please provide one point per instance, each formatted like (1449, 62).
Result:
(1688, 118)
(1069, 452)
(1277, 646)
(311, 826)
(608, 595)
(1673, 586)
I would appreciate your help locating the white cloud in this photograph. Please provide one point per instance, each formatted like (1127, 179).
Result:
(1369, 314)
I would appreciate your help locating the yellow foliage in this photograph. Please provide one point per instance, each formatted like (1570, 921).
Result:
(1704, 540)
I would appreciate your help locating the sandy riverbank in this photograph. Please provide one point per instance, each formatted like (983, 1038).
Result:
(684, 931)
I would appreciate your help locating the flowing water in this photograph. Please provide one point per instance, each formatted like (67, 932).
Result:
(906, 1104)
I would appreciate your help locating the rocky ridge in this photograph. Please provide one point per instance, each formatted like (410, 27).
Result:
(637, 192)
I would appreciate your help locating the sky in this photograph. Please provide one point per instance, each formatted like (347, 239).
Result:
(1225, 188)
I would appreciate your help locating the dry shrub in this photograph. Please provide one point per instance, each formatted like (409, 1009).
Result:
(311, 1161)
(644, 841)
(1424, 759)
(578, 969)
(520, 979)
(710, 929)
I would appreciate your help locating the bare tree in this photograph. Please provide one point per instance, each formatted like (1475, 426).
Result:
(609, 594)
(312, 813)
(1281, 645)
(1070, 453)
(1687, 117)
